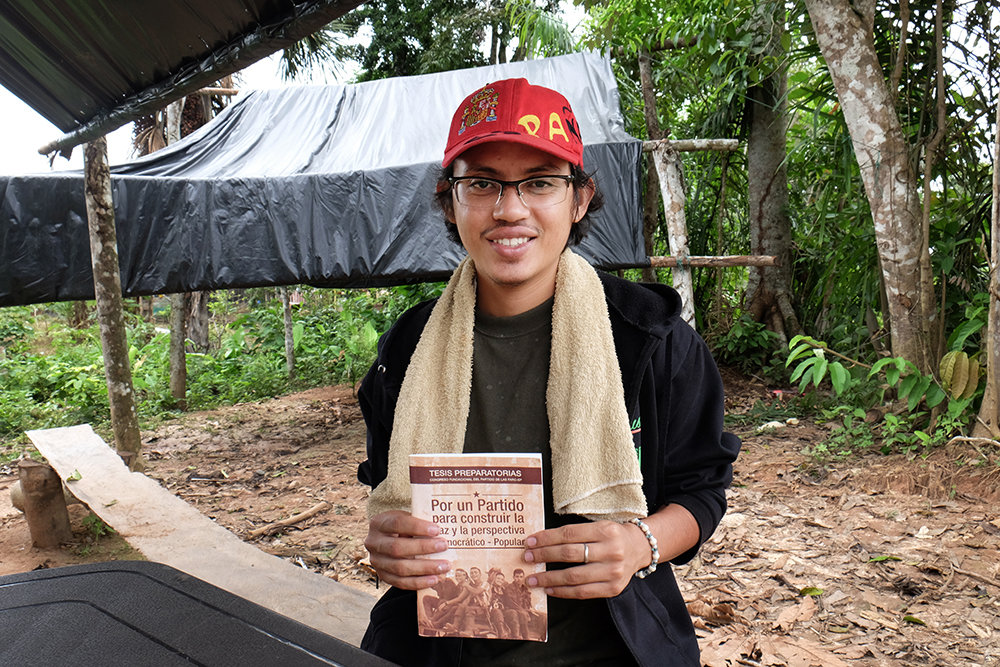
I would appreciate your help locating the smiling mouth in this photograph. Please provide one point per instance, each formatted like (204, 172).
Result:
(512, 243)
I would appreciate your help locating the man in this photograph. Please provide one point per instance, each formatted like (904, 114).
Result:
(440, 610)
(530, 350)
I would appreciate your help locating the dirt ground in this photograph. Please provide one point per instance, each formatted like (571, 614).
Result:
(877, 561)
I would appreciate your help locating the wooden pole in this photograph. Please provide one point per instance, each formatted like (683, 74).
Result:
(722, 260)
(668, 170)
(217, 91)
(44, 504)
(108, 292)
(690, 145)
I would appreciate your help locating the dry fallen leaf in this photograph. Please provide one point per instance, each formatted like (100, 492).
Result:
(714, 614)
(803, 611)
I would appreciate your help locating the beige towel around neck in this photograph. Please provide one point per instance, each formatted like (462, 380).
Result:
(595, 471)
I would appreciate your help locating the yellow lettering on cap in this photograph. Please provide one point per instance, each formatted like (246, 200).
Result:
(530, 123)
(556, 127)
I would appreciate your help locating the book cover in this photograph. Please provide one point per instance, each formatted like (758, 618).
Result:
(485, 504)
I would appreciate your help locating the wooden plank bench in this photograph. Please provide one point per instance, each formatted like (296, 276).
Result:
(168, 530)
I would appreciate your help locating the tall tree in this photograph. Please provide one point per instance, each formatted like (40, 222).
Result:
(988, 424)
(719, 72)
(768, 294)
(422, 36)
(845, 33)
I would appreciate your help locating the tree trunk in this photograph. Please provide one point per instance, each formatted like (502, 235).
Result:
(651, 195)
(146, 308)
(988, 424)
(844, 33)
(768, 294)
(108, 292)
(197, 320)
(78, 317)
(178, 357)
(44, 504)
(289, 333)
(178, 302)
(716, 316)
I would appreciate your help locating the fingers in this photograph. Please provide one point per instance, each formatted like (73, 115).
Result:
(597, 553)
(396, 541)
(563, 553)
(576, 543)
(397, 522)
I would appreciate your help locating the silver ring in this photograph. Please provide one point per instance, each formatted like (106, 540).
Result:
(586, 553)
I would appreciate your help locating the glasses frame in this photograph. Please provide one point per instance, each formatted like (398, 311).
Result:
(568, 178)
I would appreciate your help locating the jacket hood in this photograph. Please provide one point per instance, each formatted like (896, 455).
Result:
(654, 308)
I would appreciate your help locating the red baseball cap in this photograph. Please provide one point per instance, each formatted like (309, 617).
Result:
(514, 110)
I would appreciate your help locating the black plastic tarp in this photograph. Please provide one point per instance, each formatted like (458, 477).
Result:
(324, 185)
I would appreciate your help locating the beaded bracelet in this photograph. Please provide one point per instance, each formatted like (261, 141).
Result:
(655, 551)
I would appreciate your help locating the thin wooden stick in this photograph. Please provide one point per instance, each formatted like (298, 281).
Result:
(978, 577)
(687, 145)
(292, 520)
(974, 441)
(721, 260)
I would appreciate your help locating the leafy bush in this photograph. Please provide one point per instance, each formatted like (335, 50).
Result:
(335, 333)
(749, 346)
(934, 410)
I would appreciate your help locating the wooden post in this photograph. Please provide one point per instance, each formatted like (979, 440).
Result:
(44, 504)
(108, 292)
(668, 169)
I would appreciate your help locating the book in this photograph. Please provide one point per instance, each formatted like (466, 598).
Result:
(485, 505)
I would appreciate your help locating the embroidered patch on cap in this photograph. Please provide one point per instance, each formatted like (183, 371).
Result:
(481, 107)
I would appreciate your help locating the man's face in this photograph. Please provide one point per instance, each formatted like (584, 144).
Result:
(516, 248)
(476, 574)
(518, 577)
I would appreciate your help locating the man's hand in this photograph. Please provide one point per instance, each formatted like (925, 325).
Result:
(395, 539)
(613, 552)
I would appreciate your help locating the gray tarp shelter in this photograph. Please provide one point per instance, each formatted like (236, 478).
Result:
(324, 185)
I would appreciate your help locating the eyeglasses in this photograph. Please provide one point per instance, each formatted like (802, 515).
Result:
(534, 192)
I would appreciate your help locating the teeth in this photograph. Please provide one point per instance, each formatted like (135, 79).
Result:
(512, 242)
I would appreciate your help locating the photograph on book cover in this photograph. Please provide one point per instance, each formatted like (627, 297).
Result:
(485, 505)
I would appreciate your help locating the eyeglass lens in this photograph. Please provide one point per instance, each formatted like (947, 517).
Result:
(538, 191)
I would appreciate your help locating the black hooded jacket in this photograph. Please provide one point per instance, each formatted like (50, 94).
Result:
(674, 398)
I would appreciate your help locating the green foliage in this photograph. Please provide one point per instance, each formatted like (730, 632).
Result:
(335, 333)
(541, 32)
(747, 345)
(911, 430)
(317, 53)
(15, 334)
(96, 527)
(422, 36)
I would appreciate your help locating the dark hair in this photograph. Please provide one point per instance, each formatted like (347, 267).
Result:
(577, 232)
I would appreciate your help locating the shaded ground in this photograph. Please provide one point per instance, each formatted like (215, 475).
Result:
(902, 556)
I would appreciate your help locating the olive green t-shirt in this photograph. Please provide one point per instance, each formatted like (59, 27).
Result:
(507, 413)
